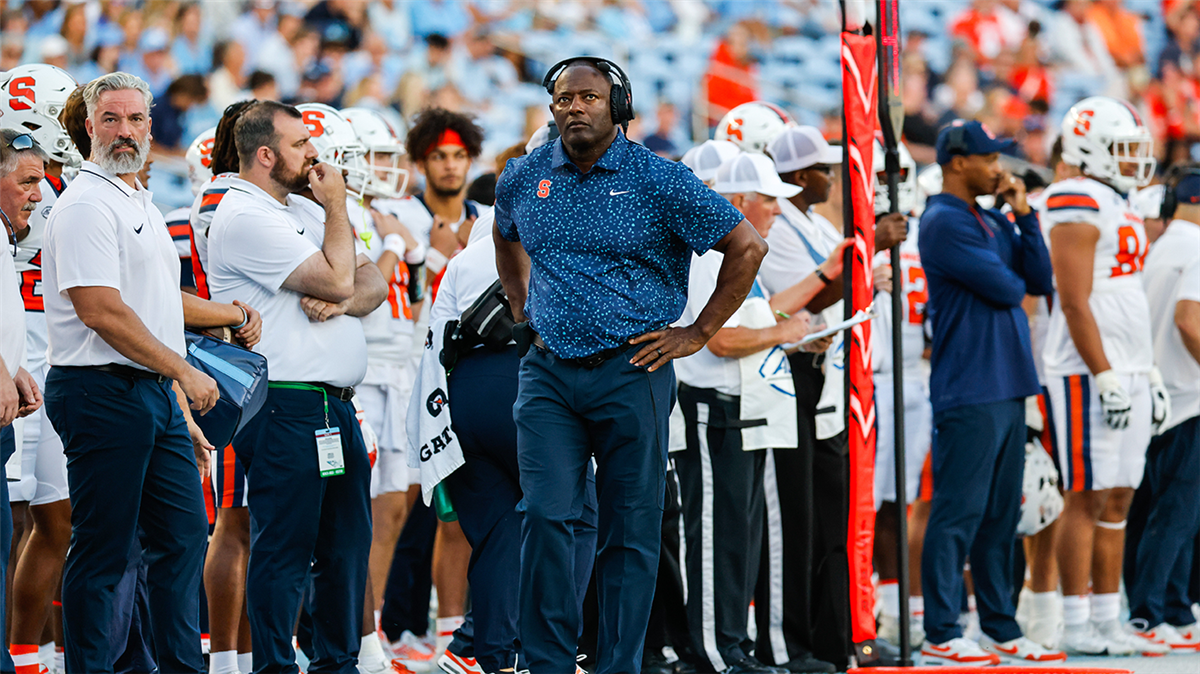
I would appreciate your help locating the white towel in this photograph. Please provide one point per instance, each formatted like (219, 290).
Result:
(433, 446)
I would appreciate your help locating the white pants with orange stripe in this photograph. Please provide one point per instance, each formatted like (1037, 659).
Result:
(1091, 455)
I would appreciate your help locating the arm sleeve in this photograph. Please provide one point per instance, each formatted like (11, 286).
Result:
(962, 255)
(505, 195)
(265, 248)
(84, 242)
(1034, 259)
(694, 212)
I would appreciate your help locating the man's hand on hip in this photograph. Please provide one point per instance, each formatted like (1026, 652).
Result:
(663, 345)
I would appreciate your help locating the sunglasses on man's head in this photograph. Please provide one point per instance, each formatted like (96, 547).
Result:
(21, 142)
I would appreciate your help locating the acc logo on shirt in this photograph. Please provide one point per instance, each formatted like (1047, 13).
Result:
(543, 189)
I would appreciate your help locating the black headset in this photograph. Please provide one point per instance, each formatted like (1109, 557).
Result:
(1175, 176)
(620, 100)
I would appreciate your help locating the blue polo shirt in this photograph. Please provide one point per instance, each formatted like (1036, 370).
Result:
(979, 267)
(609, 249)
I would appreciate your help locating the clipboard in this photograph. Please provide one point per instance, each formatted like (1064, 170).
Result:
(861, 317)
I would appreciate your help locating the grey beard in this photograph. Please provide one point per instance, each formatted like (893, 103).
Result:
(118, 165)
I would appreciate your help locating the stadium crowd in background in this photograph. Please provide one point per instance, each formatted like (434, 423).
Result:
(356, 191)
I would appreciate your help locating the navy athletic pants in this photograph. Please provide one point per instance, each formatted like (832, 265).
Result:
(978, 464)
(302, 524)
(130, 462)
(8, 447)
(565, 415)
(1163, 562)
(485, 492)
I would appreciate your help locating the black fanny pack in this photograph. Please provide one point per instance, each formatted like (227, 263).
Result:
(487, 322)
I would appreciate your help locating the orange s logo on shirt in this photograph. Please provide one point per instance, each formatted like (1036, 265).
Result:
(314, 120)
(918, 296)
(543, 190)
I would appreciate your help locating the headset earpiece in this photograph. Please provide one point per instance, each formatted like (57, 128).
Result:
(621, 97)
(1175, 176)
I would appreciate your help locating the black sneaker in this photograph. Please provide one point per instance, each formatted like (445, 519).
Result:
(749, 665)
(808, 663)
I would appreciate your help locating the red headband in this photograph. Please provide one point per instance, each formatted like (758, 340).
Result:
(448, 137)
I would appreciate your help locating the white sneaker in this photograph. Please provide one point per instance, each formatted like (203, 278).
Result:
(413, 653)
(960, 651)
(456, 664)
(1046, 630)
(1022, 615)
(1086, 640)
(1179, 639)
(1116, 631)
(916, 631)
(1021, 649)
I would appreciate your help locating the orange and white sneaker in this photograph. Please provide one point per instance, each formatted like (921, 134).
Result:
(958, 651)
(1021, 649)
(411, 652)
(1181, 639)
(457, 664)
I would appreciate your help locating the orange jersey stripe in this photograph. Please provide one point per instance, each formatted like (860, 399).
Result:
(1072, 201)
(212, 199)
(228, 457)
(178, 231)
(925, 492)
(1077, 421)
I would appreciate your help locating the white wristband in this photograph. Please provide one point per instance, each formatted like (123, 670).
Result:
(395, 243)
(435, 261)
(1156, 377)
(416, 255)
(1107, 381)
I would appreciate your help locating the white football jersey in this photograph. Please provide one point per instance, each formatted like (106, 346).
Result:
(388, 329)
(29, 270)
(915, 295)
(1118, 300)
(200, 218)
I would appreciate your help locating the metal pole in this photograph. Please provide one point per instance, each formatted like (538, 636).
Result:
(891, 120)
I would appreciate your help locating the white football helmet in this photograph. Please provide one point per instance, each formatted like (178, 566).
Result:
(752, 125)
(907, 191)
(199, 159)
(1041, 502)
(384, 150)
(31, 98)
(337, 145)
(1100, 134)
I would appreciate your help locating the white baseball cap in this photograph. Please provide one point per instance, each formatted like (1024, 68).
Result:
(752, 172)
(799, 147)
(707, 157)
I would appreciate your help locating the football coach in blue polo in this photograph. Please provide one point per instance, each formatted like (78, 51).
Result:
(594, 235)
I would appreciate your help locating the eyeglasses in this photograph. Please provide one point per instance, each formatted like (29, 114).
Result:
(21, 143)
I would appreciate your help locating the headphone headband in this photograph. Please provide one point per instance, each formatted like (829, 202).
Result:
(621, 98)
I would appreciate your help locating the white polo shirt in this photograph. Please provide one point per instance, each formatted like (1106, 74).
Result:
(1171, 274)
(102, 232)
(705, 369)
(12, 310)
(468, 274)
(254, 244)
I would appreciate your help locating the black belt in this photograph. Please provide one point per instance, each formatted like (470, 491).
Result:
(123, 371)
(342, 393)
(588, 362)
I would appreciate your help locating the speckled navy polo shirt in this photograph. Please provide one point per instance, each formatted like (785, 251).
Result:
(609, 249)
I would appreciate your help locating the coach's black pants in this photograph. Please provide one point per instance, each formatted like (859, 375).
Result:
(802, 599)
(130, 462)
(722, 494)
